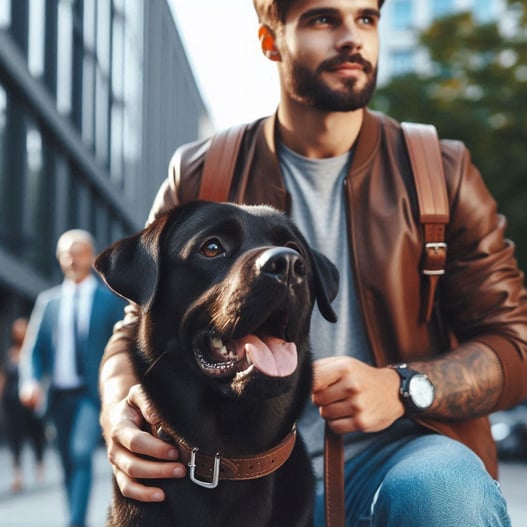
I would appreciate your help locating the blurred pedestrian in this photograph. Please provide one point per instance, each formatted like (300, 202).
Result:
(67, 333)
(21, 424)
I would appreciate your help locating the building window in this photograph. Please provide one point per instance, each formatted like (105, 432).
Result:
(5, 13)
(3, 139)
(132, 116)
(62, 192)
(100, 222)
(88, 99)
(102, 82)
(12, 170)
(64, 56)
(103, 34)
(102, 103)
(32, 195)
(89, 24)
(35, 53)
(118, 56)
(402, 14)
(402, 62)
(117, 99)
(116, 146)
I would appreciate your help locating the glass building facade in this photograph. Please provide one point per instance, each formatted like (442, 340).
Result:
(403, 20)
(95, 95)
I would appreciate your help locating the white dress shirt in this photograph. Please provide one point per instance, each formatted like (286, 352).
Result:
(65, 370)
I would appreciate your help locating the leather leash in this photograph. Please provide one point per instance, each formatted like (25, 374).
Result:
(334, 479)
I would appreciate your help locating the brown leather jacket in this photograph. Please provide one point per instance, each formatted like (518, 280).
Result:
(481, 295)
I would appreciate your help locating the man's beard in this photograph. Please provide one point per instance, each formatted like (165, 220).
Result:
(307, 87)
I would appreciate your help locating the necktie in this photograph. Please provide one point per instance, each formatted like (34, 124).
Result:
(78, 340)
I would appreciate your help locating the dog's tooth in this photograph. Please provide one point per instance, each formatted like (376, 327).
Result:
(217, 343)
(248, 359)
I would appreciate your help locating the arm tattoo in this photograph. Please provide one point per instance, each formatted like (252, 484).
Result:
(467, 381)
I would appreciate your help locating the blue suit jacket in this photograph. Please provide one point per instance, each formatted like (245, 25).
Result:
(42, 336)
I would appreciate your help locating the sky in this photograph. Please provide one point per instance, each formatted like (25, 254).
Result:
(237, 83)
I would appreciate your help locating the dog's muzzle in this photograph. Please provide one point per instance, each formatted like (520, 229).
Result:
(268, 348)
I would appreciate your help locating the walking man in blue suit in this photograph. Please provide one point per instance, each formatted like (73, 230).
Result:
(67, 333)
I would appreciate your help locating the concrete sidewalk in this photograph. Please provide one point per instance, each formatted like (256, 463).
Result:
(43, 504)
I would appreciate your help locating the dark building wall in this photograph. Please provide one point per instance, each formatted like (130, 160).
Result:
(95, 95)
(173, 110)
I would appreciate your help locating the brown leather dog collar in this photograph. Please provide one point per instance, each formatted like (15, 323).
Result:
(206, 470)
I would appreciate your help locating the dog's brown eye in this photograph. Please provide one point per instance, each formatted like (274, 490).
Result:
(212, 248)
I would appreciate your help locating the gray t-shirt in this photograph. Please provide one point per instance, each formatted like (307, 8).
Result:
(319, 210)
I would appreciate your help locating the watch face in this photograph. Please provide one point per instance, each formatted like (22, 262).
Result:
(421, 391)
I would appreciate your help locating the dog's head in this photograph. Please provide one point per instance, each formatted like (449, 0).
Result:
(227, 289)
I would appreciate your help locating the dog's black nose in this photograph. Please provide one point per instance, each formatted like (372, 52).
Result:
(283, 263)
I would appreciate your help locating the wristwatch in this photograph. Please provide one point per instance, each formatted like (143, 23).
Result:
(416, 391)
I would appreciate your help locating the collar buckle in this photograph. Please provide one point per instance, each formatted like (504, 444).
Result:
(215, 473)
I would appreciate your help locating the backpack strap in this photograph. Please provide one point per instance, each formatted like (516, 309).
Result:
(430, 184)
(220, 163)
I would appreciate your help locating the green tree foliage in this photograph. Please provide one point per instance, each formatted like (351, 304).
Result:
(476, 91)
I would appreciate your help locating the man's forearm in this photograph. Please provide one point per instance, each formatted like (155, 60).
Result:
(468, 382)
(116, 378)
(116, 375)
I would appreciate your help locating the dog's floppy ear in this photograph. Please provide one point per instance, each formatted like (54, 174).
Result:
(326, 284)
(130, 266)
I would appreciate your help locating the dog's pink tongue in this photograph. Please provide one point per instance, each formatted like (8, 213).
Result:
(271, 356)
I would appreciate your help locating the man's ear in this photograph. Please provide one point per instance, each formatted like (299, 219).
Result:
(268, 43)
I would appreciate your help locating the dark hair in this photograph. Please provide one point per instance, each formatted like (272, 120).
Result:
(273, 12)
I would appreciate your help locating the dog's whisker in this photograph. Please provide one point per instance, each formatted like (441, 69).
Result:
(155, 363)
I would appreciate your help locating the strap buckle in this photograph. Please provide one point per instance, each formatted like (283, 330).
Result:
(435, 247)
(215, 473)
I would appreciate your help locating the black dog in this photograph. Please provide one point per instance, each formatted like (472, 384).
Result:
(226, 294)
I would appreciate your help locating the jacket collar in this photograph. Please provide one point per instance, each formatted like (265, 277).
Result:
(368, 137)
(264, 164)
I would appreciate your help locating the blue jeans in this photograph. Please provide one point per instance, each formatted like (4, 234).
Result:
(76, 419)
(428, 480)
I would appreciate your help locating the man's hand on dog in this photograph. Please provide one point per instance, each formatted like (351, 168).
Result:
(353, 396)
(127, 442)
